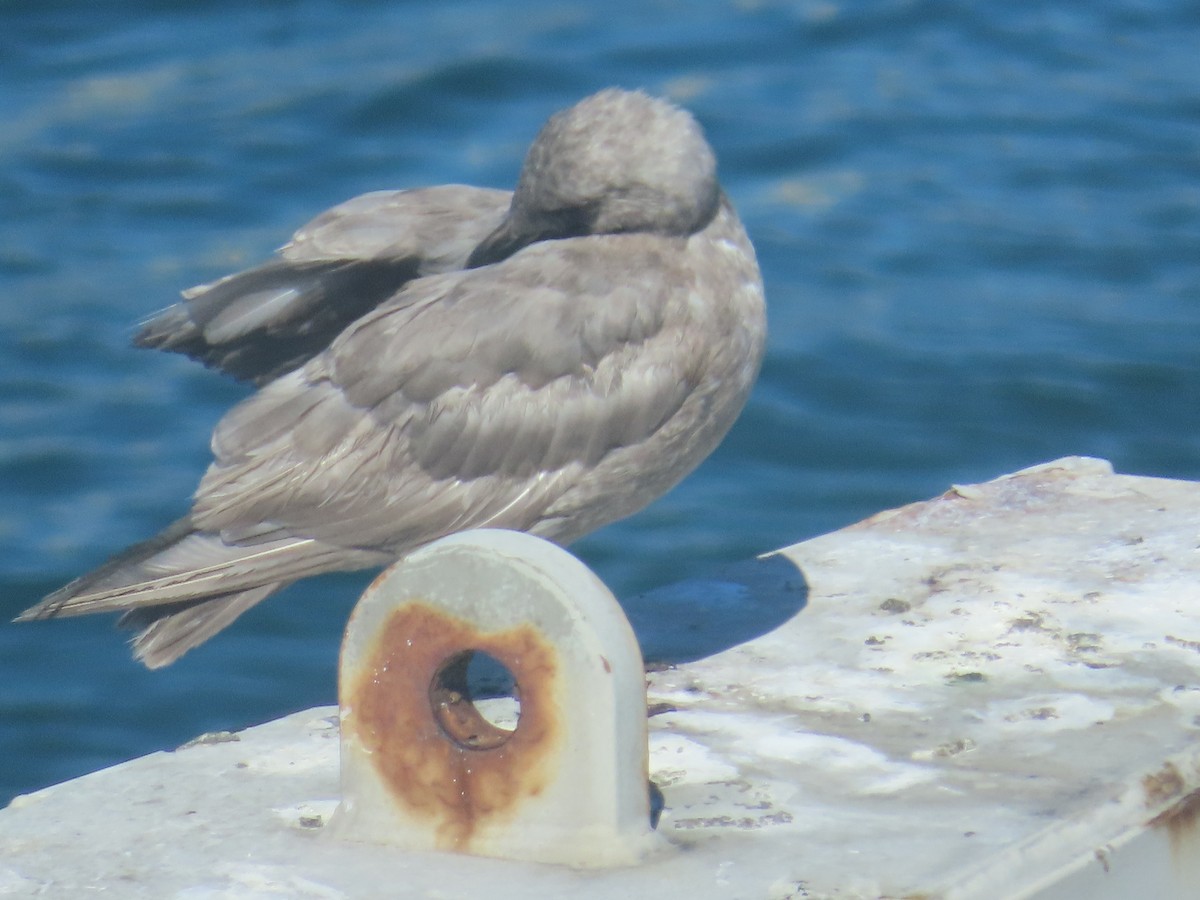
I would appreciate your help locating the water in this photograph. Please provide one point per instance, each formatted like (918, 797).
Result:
(979, 226)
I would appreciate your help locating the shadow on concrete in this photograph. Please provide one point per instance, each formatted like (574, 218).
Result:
(692, 619)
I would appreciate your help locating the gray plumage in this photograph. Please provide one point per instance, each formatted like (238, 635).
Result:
(435, 360)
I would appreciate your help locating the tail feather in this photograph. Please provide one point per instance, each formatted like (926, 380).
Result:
(165, 633)
(183, 586)
(183, 564)
(119, 569)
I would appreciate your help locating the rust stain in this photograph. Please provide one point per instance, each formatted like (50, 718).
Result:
(1181, 819)
(378, 579)
(415, 733)
(1182, 822)
(1163, 785)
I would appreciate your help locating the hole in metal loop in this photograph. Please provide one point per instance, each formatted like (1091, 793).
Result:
(475, 700)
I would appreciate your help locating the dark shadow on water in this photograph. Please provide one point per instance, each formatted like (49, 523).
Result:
(692, 619)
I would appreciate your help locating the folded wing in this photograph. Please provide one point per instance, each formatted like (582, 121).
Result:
(466, 401)
(469, 400)
(261, 323)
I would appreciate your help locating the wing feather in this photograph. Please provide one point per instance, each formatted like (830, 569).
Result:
(261, 323)
(466, 400)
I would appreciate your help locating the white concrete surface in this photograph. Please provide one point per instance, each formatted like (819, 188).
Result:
(995, 693)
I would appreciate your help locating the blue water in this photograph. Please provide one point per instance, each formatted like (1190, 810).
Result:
(979, 226)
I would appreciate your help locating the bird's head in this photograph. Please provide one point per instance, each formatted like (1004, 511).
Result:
(618, 161)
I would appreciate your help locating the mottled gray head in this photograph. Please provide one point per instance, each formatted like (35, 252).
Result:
(618, 161)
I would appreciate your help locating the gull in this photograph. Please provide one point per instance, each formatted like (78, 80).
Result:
(428, 361)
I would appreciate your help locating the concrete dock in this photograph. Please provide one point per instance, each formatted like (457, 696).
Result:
(994, 693)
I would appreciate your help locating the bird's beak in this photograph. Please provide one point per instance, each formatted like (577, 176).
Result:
(500, 244)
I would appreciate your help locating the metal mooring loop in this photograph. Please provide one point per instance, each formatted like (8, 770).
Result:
(424, 767)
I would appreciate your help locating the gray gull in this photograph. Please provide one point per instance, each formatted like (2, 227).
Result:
(428, 361)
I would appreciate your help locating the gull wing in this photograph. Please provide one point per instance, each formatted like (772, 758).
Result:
(261, 323)
(471, 399)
